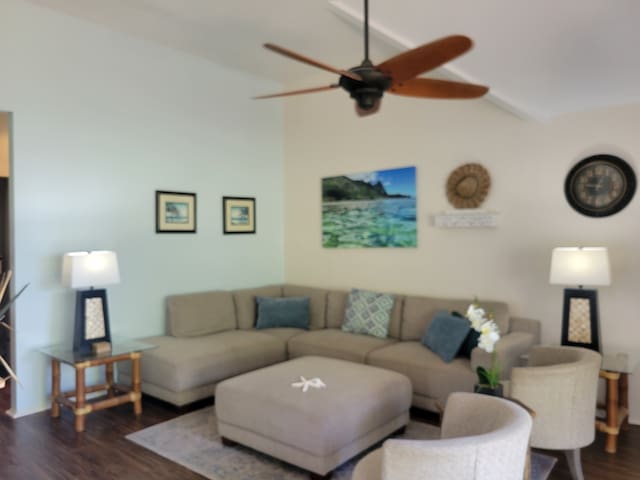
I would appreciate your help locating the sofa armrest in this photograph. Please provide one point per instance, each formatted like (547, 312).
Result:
(509, 349)
(520, 324)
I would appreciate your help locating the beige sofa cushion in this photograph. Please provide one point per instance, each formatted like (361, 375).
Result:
(429, 375)
(198, 314)
(335, 343)
(180, 364)
(337, 303)
(245, 301)
(419, 311)
(317, 303)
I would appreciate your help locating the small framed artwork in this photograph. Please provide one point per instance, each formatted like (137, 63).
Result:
(92, 320)
(239, 214)
(175, 212)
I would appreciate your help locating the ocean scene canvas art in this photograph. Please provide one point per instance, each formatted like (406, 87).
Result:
(370, 209)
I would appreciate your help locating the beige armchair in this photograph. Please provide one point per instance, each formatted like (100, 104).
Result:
(560, 384)
(482, 438)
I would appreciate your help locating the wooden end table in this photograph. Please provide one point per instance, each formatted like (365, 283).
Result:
(117, 394)
(615, 369)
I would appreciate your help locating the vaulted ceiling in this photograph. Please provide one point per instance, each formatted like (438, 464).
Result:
(541, 58)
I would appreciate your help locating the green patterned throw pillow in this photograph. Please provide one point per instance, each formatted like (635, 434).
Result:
(368, 313)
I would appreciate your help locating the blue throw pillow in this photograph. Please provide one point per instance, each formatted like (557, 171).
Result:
(445, 335)
(290, 312)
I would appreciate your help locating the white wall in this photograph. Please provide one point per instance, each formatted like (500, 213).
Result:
(101, 120)
(528, 163)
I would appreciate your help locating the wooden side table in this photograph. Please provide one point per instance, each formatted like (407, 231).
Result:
(117, 394)
(615, 370)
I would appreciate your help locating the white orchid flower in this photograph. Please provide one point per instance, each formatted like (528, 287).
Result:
(476, 316)
(489, 335)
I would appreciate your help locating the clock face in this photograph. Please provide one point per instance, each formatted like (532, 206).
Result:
(600, 185)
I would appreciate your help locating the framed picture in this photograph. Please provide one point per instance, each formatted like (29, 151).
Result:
(175, 212)
(92, 320)
(580, 319)
(374, 209)
(239, 214)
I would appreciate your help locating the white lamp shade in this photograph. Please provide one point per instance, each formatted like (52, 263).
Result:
(580, 266)
(90, 269)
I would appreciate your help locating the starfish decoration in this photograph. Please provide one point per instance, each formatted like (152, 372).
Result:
(305, 384)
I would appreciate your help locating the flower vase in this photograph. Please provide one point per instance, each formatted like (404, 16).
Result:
(496, 391)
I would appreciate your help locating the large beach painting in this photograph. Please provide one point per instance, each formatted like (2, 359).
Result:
(372, 209)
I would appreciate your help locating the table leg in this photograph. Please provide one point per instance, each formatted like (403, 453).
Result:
(108, 371)
(80, 399)
(612, 414)
(135, 380)
(623, 390)
(55, 387)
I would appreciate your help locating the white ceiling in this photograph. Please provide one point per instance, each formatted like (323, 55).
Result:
(541, 58)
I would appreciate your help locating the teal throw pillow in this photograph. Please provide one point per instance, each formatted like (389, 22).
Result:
(368, 313)
(445, 335)
(289, 312)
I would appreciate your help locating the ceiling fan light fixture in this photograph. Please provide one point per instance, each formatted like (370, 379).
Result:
(367, 98)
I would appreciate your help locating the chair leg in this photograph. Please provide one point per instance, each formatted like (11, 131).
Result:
(575, 465)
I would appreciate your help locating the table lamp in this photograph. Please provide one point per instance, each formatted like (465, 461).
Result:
(580, 266)
(83, 271)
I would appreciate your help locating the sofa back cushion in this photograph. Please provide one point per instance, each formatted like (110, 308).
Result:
(337, 305)
(419, 311)
(245, 301)
(197, 314)
(280, 312)
(317, 301)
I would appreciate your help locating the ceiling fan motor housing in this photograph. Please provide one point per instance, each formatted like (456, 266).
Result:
(367, 92)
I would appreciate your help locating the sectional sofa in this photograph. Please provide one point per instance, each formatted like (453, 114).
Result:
(211, 336)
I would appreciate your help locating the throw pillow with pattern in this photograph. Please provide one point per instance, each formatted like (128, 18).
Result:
(368, 313)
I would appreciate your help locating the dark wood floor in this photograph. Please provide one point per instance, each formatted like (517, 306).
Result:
(38, 447)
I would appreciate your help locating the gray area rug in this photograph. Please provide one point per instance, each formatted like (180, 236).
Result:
(193, 441)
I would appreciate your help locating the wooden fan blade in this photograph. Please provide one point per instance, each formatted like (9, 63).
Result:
(310, 61)
(427, 57)
(297, 92)
(433, 88)
(363, 113)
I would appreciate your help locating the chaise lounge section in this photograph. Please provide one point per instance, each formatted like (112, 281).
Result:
(212, 336)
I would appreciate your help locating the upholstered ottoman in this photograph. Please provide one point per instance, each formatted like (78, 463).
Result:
(321, 428)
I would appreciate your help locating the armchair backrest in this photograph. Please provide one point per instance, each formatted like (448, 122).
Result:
(483, 438)
(560, 384)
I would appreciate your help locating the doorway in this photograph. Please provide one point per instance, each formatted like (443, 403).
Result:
(5, 249)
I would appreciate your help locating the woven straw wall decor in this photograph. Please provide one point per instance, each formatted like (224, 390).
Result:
(468, 186)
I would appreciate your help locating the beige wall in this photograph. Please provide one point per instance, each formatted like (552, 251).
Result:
(528, 163)
(4, 144)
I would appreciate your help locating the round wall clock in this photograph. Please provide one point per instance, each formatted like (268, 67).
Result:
(600, 185)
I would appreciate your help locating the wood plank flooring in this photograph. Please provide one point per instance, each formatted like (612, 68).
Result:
(38, 447)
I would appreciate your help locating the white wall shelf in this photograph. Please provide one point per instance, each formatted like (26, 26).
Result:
(466, 218)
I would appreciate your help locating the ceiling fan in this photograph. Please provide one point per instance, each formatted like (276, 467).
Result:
(366, 83)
